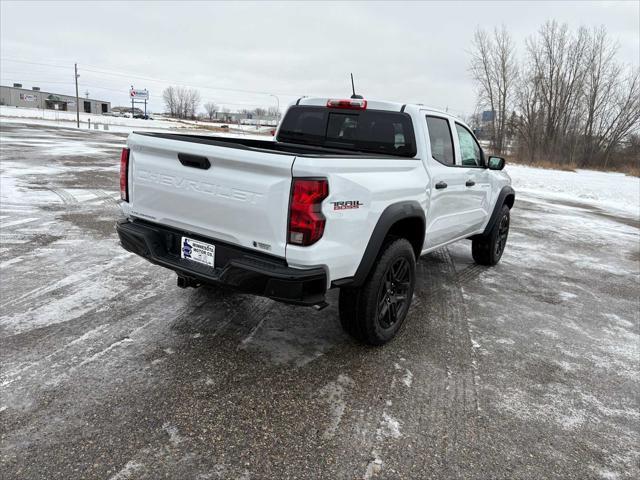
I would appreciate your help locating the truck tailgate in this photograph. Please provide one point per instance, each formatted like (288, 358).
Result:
(242, 197)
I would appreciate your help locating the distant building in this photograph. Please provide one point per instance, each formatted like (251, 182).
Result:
(266, 121)
(231, 117)
(246, 118)
(17, 96)
(488, 116)
(136, 110)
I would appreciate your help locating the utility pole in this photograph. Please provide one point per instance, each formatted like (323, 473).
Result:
(75, 65)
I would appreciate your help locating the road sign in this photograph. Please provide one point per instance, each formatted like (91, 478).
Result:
(139, 94)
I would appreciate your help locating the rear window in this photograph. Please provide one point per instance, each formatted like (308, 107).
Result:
(371, 131)
(441, 140)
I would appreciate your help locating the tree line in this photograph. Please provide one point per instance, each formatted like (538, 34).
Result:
(567, 100)
(183, 102)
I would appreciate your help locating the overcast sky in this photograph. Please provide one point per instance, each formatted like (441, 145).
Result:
(412, 52)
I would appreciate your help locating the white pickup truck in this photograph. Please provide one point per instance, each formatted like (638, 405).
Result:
(348, 196)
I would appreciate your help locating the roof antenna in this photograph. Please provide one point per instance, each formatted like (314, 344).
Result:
(353, 88)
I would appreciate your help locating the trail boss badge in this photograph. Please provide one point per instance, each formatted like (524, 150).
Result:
(347, 205)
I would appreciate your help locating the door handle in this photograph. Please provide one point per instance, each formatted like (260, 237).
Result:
(470, 183)
(440, 185)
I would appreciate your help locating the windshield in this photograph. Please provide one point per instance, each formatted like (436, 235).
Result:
(373, 131)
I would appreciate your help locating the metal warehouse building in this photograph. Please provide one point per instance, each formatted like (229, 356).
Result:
(17, 96)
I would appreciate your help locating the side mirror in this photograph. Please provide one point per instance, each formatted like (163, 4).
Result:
(495, 163)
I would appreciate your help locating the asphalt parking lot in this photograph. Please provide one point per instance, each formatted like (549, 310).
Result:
(527, 370)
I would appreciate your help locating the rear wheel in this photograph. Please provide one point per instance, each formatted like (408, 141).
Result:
(487, 249)
(375, 312)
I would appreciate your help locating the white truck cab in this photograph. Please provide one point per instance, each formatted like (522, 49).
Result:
(349, 195)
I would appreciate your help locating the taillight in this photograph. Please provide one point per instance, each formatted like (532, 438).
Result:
(350, 103)
(124, 175)
(306, 221)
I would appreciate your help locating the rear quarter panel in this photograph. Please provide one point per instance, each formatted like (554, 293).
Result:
(372, 184)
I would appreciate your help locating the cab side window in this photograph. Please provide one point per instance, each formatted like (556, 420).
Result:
(441, 140)
(469, 149)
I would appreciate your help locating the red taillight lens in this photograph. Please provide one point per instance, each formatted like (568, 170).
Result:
(306, 221)
(124, 175)
(350, 103)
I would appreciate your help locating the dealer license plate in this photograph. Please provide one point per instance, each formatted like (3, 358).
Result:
(198, 251)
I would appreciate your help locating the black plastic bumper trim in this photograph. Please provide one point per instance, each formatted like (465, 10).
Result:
(236, 267)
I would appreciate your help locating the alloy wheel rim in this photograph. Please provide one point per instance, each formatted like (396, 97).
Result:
(503, 233)
(394, 292)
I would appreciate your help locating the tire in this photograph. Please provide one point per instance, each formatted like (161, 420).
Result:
(374, 313)
(487, 249)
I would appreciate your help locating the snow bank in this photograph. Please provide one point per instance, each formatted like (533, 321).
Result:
(51, 118)
(614, 192)
(68, 118)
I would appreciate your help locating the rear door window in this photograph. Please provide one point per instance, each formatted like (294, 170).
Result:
(441, 140)
(373, 131)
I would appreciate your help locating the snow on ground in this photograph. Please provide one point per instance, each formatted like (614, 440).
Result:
(614, 192)
(51, 118)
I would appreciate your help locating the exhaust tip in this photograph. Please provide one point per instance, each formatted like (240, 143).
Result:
(185, 282)
(321, 306)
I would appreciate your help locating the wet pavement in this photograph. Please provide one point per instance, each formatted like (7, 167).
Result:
(526, 370)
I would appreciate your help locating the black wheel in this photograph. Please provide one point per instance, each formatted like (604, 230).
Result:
(375, 312)
(487, 249)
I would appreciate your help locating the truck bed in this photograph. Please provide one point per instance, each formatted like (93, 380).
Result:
(269, 146)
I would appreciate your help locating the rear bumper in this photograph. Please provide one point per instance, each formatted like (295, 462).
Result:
(235, 267)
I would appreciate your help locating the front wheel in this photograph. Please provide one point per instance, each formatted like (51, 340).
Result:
(375, 312)
(487, 249)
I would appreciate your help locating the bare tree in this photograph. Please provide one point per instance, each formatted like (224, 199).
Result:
(211, 109)
(624, 114)
(611, 98)
(583, 102)
(170, 100)
(573, 103)
(600, 83)
(557, 63)
(192, 102)
(481, 72)
(494, 68)
(181, 102)
(506, 72)
(530, 123)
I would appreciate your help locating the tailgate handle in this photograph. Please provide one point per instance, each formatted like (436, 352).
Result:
(194, 161)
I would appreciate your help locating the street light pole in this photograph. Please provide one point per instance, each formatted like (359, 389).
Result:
(278, 107)
(75, 66)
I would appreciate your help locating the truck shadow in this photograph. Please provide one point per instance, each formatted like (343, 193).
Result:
(288, 335)
(281, 333)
